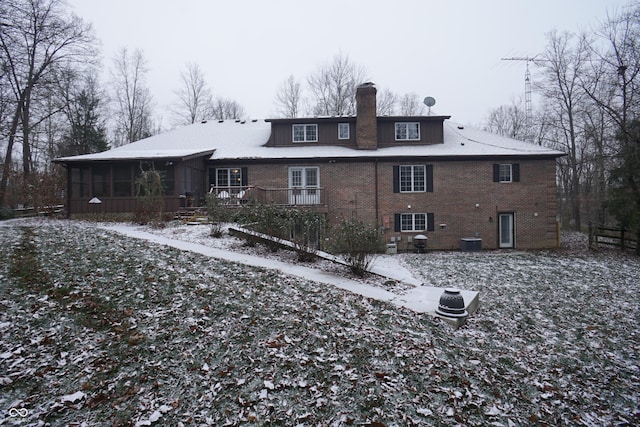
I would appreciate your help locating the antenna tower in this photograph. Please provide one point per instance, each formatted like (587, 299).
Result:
(527, 88)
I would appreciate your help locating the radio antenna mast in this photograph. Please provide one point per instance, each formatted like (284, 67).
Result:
(527, 89)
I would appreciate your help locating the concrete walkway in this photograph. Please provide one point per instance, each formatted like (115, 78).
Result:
(421, 299)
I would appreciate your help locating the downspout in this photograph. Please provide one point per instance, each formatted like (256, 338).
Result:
(376, 187)
(68, 195)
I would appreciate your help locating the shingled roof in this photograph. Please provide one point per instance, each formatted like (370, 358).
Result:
(231, 139)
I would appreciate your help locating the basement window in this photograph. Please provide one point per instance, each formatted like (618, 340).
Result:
(413, 222)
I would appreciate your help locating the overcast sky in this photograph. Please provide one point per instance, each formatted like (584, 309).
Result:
(448, 49)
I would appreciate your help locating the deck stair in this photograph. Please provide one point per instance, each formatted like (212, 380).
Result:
(192, 216)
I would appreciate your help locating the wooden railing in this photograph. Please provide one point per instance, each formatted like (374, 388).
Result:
(38, 211)
(277, 196)
(600, 234)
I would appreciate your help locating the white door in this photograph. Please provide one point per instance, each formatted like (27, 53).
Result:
(506, 230)
(304, 186)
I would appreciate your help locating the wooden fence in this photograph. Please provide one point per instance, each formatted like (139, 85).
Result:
(41, 211)
(600, 234)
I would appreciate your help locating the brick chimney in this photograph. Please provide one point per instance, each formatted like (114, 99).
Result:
(366, 119)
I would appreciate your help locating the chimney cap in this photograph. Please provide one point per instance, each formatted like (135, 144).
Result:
(367, 84)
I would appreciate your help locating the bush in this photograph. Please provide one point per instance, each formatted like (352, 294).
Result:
(358, 243)
(266, 219)
(306, 229)
(217, 214)
(6, 213)
(149, 191)
(303, 227)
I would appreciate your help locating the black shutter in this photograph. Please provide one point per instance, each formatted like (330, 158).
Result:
(244, 177)
(396, 179)
(515, 171)
(396, 222)
(429, 178)
(430, 222)
(496, 172)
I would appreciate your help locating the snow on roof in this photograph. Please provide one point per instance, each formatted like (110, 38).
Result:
(247, 139)
(187, 141)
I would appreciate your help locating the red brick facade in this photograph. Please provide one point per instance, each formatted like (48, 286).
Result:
(465, 201)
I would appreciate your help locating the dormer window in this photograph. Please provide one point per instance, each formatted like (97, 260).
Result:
(408, 131)
(343, 130)
(305, 133)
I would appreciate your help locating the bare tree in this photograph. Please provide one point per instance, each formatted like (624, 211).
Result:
(564, 65)
(410, 105)
(616, 67)
(225, 109)
(288, 98)
(195, 102)
(36, 36)
(613, 86)
(599, 132)
(333, 87)
(386, 103)
(508, 120)
(133, 113)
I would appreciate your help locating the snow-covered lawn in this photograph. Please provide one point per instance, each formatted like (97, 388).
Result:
(120, 331)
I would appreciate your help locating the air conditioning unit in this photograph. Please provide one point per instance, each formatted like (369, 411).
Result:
(470, 244)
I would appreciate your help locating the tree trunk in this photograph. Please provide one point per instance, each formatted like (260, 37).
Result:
(26, 144)
(6, 168)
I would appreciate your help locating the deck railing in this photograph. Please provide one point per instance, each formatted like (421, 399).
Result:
(277, 196)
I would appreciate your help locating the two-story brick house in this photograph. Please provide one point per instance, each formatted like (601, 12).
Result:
(412, 175)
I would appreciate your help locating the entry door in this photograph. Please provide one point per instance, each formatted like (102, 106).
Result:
(303, 186)
(506, 230)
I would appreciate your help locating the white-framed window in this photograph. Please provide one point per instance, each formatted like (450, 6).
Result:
(407, 131)
(413, 222)
(412, 178)
(505, 174)
(343, 130)
(305, 133)
(228, 177)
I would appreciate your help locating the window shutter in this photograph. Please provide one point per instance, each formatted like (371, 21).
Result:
(396, 179)
(515, 172)
(496, 172)
(429, 178)
(430, 222)
(396, 222)
(244, 176)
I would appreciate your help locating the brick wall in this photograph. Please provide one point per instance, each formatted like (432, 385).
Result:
(466, 202)
(458, 186)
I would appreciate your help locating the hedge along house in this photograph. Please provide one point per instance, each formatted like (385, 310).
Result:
(412, 174)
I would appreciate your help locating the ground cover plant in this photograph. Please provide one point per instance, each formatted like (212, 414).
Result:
(118, 331)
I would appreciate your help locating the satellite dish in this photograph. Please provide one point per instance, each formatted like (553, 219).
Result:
(429, 102)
